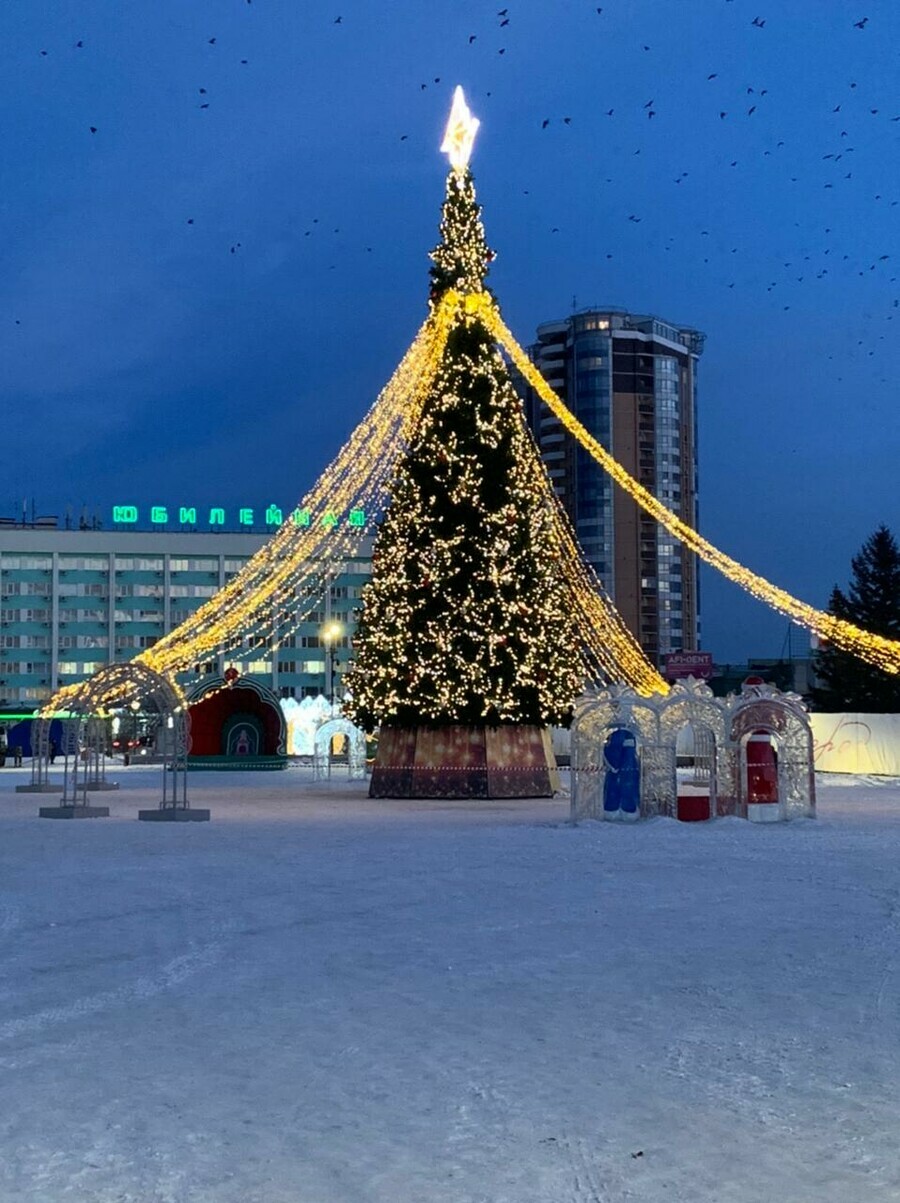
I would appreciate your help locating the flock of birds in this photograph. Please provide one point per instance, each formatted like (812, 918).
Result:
(802, 269)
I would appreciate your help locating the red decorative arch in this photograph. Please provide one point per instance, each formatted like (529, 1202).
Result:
(215, 702)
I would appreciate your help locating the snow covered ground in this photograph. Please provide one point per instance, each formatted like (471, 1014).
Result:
(318, 999)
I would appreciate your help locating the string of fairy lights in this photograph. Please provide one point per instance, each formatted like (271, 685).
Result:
(282, 582)
(876, 650)
(279, 584)
(260, 607)
(610, 650)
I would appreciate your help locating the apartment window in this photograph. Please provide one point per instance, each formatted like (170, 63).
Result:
(78, 668)
(193, 590)
(34, 641)
(83, 564)
(139, 615)
(183, 565)
(25, 562)
(139, 591)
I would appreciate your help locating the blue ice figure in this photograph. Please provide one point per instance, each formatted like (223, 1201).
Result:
(622, 780)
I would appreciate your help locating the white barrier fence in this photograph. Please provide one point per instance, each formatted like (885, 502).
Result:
(857, 743)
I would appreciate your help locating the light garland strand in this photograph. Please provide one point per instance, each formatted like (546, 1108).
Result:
(873, 649)
(282, 581)
(264, 594)
(610, 651)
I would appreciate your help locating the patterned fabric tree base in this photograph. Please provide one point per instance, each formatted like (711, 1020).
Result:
(462, 762)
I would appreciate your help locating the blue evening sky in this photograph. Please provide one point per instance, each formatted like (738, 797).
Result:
(143, 360)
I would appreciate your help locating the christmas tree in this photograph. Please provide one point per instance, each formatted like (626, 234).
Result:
(466, 620)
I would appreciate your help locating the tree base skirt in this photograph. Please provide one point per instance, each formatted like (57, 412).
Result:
(463, 762)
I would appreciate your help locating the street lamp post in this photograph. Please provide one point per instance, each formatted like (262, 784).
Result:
(330, 633)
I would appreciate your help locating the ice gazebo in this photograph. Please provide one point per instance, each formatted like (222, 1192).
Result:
(692, 756)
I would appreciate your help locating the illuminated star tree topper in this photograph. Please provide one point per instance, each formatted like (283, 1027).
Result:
(459, 136)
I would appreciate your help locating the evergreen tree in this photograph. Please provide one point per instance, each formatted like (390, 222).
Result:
(873, 603)
(466, 618)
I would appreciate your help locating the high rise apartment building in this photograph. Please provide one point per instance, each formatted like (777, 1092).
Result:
(632, 381)
(72, 602)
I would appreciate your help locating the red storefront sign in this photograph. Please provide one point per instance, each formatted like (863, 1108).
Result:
(689, 664)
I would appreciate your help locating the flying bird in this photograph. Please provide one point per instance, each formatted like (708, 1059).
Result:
(212, 42)
(715, 75)
(759, 22)
(861, 24)
(568, 120)
(338, 20)
(505, 21)
(472, 38)
(93, 129)
(545, 123)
